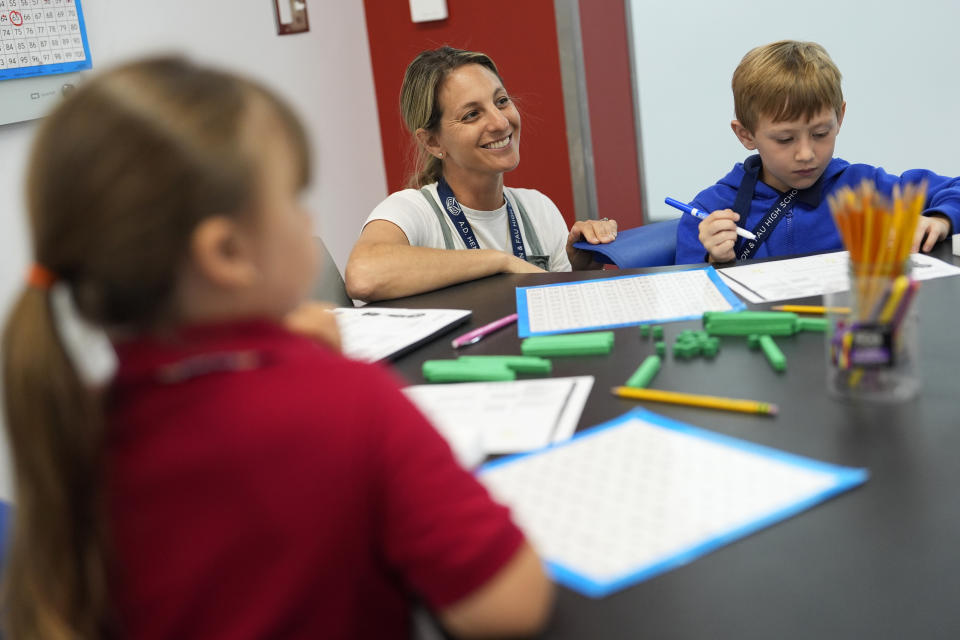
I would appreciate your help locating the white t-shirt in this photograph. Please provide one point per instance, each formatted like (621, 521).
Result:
(410, 211)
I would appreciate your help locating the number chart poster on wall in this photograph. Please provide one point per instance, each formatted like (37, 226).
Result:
(42, 37)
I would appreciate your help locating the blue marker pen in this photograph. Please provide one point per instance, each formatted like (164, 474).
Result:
(743, 233)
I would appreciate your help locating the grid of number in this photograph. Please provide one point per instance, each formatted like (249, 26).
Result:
(38, 32)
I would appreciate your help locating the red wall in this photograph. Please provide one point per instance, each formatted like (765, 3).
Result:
(521, 37)
(606, 60)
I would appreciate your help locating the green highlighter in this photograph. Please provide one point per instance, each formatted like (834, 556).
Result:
(459, 371)
(519, 364)
(569, 344)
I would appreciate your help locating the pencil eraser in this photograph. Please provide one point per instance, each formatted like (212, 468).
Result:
(519, 364)
(569, 344)
(457, 371)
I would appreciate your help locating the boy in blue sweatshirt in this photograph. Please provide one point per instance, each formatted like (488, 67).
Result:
(789, 108)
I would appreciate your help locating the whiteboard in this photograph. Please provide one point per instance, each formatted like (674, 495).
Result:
(899, 80)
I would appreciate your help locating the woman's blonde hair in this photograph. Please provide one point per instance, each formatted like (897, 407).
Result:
(120, 175)
(420, 103)
(783, 81)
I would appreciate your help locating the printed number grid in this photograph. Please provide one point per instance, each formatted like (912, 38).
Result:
(39, 32)
(621, 301)
(613, 506)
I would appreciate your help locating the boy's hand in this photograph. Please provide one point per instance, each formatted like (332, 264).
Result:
(718, 234)
(930, 230)
(315, 320)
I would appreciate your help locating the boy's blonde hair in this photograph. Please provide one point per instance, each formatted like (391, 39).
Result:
(783, 81)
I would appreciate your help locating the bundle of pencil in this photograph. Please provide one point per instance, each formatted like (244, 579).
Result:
(878, 233)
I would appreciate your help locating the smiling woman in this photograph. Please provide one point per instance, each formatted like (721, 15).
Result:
(467, 131)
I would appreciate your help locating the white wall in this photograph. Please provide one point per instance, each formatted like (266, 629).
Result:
(325, 74)
(898, 63)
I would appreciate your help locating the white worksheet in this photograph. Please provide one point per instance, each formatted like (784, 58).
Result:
(503, 417)
(761, 282)
(622, 301)
(376, 333)
(644, 494)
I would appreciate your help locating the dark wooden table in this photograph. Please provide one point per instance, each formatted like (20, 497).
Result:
(880, 562)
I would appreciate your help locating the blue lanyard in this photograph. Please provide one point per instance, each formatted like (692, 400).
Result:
(461, 224)
(745, 249)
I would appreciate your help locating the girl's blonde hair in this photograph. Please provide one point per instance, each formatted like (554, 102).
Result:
(420, 103)
(784, 81)
(120, 175)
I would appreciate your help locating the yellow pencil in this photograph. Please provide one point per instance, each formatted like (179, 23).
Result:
(692, 400)
(810, 308)
(900, 284)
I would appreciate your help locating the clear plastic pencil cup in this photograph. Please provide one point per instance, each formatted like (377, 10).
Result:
(872, 341)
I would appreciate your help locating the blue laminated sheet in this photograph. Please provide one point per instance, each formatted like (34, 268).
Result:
(621, 301)
(644, 494)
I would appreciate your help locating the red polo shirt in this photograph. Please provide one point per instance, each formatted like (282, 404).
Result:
(261, 486)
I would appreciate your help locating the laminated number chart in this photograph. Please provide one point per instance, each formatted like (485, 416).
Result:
(42, 37)
(644, 494)
(622, 301)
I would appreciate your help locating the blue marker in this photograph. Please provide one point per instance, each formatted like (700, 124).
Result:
(696, 213)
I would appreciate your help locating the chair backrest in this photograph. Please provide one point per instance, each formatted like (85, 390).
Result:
(330, 286)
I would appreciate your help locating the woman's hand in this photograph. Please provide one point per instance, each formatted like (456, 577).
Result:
(593, 231)
(718, 234)
(315, 320)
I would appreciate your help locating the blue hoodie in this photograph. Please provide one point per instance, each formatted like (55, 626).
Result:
(808, 225)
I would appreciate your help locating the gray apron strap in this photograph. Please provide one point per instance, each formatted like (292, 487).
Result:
(447, 236)
(529, 232)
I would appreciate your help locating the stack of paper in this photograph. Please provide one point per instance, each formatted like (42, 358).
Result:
(503, 417)
(378, 333)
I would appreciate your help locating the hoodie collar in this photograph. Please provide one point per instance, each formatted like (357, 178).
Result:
(811, 196)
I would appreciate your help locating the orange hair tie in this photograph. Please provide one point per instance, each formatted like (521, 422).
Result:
(40, 277)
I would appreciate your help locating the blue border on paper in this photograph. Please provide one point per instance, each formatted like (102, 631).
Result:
(59, 67)
(523, 312)
(844, 479)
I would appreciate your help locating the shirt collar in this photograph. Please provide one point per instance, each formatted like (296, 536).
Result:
(203, 348)
(811, 196)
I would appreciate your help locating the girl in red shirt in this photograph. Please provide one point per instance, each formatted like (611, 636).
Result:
(233, 479)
